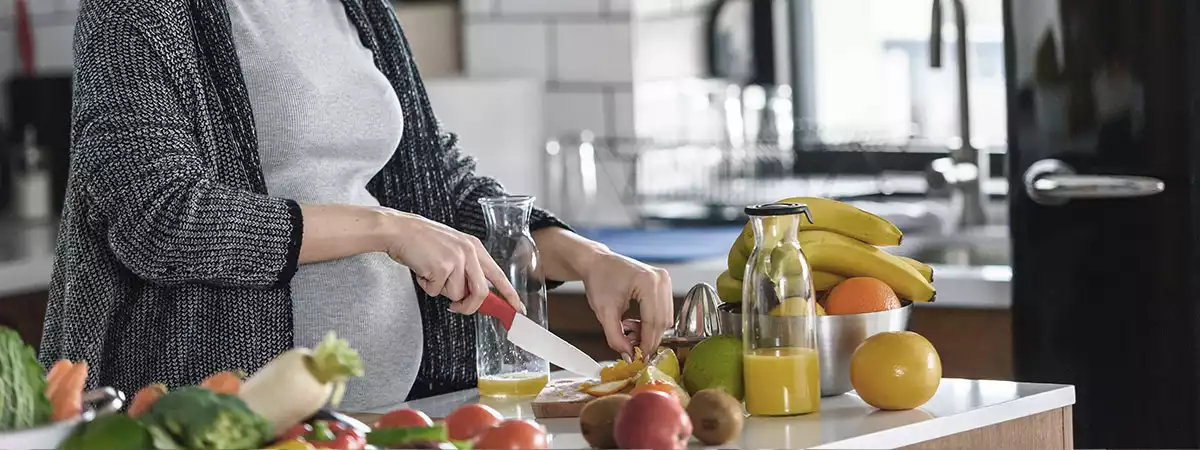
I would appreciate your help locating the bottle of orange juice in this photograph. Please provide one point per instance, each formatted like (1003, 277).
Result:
(779, 338)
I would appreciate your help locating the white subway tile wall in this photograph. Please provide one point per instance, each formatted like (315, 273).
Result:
(542, 7)
(504, 49)
(597, 52)
(53, 52)
(670, 48)
(607, 48)
(571, 112)
(478, 6)
(617, 68)
(52, 24)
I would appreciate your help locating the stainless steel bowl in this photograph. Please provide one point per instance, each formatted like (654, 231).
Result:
(96, 403)
(837, 337)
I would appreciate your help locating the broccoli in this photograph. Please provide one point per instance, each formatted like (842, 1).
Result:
(195, 418)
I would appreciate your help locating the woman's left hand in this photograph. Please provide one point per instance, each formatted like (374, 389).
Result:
(611, 281)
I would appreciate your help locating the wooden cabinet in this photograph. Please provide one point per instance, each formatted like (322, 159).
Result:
(973, 343)
(25, 313)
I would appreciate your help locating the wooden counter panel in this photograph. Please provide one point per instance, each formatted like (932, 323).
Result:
(1052, 429)
(973, 343)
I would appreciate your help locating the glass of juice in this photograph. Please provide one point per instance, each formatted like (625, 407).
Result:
(779, 336)
(504, 369)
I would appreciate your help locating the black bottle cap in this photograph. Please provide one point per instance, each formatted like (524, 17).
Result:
(778, 209)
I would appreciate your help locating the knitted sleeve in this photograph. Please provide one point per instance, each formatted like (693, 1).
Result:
(164, 218)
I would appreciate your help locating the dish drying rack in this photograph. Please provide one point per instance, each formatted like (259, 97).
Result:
(700, 182)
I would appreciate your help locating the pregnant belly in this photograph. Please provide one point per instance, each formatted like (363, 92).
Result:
(369, 300)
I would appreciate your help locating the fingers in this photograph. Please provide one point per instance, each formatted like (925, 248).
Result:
(657, 308)
(493, 274)
(633, 330)
(433, 281)
(614, 332)
(476, 281)
(456, 284)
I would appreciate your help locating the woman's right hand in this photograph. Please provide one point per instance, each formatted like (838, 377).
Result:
(446, 261)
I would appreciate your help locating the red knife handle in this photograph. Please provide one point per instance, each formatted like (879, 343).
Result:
(495, 306)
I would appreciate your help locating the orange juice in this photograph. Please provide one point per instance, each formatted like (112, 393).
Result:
(519, 384)
(782, 381)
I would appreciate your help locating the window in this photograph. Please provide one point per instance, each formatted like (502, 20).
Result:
(866, 76)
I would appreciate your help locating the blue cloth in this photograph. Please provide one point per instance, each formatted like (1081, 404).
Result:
(666, 245)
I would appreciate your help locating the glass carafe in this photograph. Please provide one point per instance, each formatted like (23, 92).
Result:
(779, 337)
(504, 369)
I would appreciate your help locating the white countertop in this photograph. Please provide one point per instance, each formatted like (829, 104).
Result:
(844, 422)
(26, 257)
(987, 287)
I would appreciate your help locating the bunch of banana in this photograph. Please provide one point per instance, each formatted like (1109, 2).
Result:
(843, 241)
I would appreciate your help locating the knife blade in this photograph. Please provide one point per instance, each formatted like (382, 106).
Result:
(533, 338)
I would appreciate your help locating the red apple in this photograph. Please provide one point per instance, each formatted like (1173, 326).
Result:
(652, 420)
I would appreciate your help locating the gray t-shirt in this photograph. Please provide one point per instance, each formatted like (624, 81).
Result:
(327, 122)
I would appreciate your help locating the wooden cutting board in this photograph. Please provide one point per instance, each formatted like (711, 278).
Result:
(560, 398)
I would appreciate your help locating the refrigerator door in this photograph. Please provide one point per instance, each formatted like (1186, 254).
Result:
(1104, 149)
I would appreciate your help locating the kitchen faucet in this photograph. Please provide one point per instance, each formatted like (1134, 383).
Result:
(966, 169)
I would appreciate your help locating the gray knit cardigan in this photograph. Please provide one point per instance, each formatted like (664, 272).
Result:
(173, 260)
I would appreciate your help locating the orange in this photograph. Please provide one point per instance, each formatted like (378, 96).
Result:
(861, 295)
(657, 385)
(895, 370)
(622, 369)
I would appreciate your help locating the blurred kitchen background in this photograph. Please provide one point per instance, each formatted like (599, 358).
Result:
(649, 124)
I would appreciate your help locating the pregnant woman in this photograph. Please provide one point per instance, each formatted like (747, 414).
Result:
(248, 175)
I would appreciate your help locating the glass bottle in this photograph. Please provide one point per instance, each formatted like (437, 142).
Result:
(779, 338)
(504, 369)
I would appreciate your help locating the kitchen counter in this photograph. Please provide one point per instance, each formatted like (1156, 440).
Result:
(957, 286)
(963, 413)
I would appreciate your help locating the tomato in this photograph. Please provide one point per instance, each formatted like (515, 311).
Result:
(350, 440)
(469, 420)
(656, 386)
(514, 434)
(404, 418)
(297, 431)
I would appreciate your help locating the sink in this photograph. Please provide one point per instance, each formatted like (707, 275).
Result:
(986, 246)
(971, 269)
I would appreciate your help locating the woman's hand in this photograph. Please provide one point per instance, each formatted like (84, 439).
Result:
(447, 262)
(611, 281)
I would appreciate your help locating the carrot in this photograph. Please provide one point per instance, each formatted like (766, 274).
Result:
(67, 400)
(145, 398)
(55, 375)
(223, 383)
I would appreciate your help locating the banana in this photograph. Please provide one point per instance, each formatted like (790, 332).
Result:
(838, 254)
(838, 217)
(737, 260)
(824, 281)
(925, 269)
(728, 288)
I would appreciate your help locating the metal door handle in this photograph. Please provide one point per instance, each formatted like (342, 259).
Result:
(1052, 182)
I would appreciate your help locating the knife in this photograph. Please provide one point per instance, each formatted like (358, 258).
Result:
(527, 334)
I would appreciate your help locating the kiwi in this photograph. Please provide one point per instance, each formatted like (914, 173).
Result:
(716, 417)
(597, 418)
